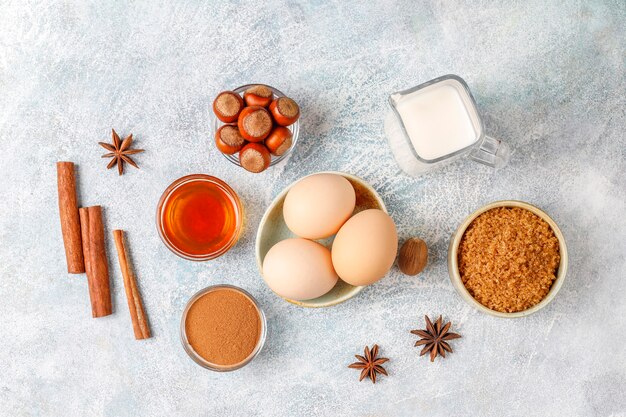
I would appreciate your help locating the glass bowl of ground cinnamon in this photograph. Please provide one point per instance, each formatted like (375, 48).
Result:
(223, 328)
(508, 259)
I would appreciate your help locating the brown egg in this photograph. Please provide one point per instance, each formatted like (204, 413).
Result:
(318, 205)
(365, 247)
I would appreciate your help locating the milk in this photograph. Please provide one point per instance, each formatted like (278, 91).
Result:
(436, 123)
(439, 119)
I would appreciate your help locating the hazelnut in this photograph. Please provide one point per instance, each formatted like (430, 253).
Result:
(258, 95)
(228, 139)
(413, 256)
(285, 111)
(279, 141)
(254, 157)
(227, 106)
(255, 123)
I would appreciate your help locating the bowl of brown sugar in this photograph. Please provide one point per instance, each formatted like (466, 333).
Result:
(222, 328)
(508, 259)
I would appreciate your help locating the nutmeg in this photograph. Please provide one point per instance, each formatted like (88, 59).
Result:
(285, 111)
(413, 256)
(227, 106)
(255, 123)
(258, 95)
(255, 157)
(279, 141)
(228, 139)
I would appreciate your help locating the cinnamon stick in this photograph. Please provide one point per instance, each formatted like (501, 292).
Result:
(70, 222)
(135, 305)
(95, 256)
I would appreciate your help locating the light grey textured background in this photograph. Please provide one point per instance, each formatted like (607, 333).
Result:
(549, 77)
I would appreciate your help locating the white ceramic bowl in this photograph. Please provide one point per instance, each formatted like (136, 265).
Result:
(453, 267)
(273, 229)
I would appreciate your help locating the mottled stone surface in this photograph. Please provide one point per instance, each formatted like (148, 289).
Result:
(549, 77)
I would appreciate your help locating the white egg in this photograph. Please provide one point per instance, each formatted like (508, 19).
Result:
(299, 269)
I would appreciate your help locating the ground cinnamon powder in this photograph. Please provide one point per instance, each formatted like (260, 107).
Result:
(223, 326)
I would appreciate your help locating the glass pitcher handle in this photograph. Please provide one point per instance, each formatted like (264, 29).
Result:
(492, 152)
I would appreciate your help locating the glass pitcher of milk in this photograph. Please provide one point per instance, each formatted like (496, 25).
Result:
(436, 123)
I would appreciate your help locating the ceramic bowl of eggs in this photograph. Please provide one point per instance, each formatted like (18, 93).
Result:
(324, 238)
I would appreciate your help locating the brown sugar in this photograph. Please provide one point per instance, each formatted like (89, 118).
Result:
(508, 259)
(223, 326)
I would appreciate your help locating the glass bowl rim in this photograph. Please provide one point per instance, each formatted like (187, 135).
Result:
(295, 127)
(199, 359)
(227, 189)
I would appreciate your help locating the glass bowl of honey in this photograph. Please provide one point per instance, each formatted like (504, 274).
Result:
(199, 217)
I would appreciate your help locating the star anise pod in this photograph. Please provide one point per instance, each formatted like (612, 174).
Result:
(119, 151)
(435, 338)
(370, 364)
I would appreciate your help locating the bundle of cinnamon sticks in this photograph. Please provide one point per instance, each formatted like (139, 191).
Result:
(85, 251)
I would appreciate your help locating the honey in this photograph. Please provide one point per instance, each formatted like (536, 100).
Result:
(199, 217)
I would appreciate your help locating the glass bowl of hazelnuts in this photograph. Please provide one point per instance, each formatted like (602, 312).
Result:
(255, 126)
